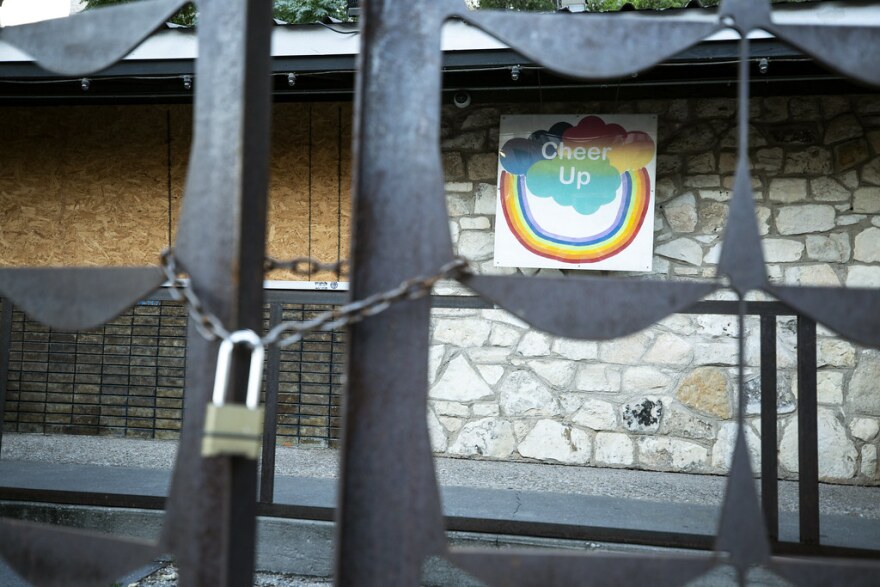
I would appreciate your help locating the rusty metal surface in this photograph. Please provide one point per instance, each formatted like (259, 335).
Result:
(78, 298)
(531, 568)
(92, 41)
(575, 307)
(389, 516)
(65, 557)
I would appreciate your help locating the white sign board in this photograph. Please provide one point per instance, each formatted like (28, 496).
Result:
(576, 192)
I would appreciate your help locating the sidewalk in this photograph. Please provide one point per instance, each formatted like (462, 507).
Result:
(522, 492)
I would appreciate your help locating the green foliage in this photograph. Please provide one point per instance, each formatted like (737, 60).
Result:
(306, 11)
(292, 11)
(537, 5)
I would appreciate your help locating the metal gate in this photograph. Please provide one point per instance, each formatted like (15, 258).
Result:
(389, 518)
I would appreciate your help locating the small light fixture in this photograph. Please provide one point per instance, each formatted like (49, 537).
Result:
(188, 82)
(514, 72)
(85, 84)
(291, 79)
(763, 65)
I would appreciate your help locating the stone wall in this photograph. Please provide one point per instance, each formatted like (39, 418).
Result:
(664, 398)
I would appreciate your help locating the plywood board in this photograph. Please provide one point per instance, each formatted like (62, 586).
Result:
(326, 188)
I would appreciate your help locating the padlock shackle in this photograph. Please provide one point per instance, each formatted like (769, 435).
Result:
(224, 366)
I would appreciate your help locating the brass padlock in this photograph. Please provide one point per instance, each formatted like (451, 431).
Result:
(235, 429)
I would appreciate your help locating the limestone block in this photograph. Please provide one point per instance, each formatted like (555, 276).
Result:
(869, 461)
(716, 353)
(504, 335)
(863, 395)
(466, 141)
(534, 344)
(481, 118)
(788, 190)
(713, 217)
(552, 441)
(487, 195)
(642, 416)
(786, 402)
(482, 166)
(597, 378)
(488, 437)
(837, 457)
(458, 204)
(702, 181)
(826, 189)
(722, 450)
(863, 276)
(626, 350)
(867, 247)
(678, 421)
(864, 428)
(851, 154)
(849, 219)
(769, 160)
(435, 359)
(804, 109)
(716, 326)
(763, 217)
(491, 373)
(712, 258)
(702, 163)
(866, 200)
(453, 166)
(716, 108)
(679, 324)
(775, 109)
(445, 408)
(458, 186)
(462, 332)
(576, 350)
(805, 218)
(705, 389)
(842, 128)
(829, 387)
(597, 415)
(779, 250)
(834, 248)
(834, 105)
(437, 433)
(643, 378)
(681, 213)
(718, 195)
(571, 402)
(557, 372)
(697, 138)
(670, 349)
(665, 189)
(522, 394)
(475, 223)
(476, 245)
(682, 249)
(451, 423)
(490, 355)
(810, 161)
(832, 352)
(460, 383)
(505, 317)
(818, 275)
(486, 409)
(871, 172)
(614, 448)
(665, 453)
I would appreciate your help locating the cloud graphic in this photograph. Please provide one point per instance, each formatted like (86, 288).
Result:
(517, 155)
(626, 151)
(578, 166)
(584, 185)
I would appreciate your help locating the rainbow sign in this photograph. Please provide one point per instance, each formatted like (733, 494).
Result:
(578, 194)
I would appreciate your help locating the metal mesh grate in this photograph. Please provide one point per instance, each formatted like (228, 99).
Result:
(127, 377)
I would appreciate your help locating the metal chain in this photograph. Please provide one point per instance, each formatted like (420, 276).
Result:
(291, 332)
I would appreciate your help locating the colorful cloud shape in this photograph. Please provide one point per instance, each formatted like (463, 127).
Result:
(584, 185)
(578, 166)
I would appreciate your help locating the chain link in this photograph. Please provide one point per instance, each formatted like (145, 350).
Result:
(291, 332)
